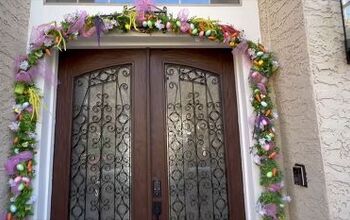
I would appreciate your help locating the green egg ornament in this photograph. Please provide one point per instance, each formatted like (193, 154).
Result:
(19, 88)
(269, 174)
(178, 23)
(192, 26)
(127, 27)
(194, 31)
(16, 151)
(20, 187)
(150, 24)
(282, 205)
(20, 167)
(208, 33)
(13, 208)
(264, 104)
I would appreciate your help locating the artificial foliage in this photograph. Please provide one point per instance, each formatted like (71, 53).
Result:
(143, 18)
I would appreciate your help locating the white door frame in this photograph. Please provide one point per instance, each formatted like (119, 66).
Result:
(46, 124)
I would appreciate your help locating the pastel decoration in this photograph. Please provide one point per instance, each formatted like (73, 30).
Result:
(12, 162)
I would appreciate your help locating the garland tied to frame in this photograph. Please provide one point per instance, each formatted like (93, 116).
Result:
(145, 18)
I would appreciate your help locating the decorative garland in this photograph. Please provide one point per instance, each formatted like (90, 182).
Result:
(144, 18)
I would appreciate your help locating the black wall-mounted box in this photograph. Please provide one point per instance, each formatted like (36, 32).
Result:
(299, 174)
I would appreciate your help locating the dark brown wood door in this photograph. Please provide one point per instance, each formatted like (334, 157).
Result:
(141, 132)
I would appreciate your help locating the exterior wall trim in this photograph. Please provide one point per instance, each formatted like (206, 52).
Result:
(46, 125)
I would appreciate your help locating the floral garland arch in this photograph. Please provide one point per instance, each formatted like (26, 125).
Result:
(145, 18)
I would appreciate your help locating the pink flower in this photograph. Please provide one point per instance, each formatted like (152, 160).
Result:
(275, 187)
(271, 211)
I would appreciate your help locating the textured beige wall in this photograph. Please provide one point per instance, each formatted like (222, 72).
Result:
(331, 79)
(313, 99)
(14, 15)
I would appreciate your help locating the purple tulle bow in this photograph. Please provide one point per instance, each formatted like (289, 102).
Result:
(78, 24)
(39, 35)
(241, 48)
(12, 162)
(183, 15)
(99, 25)
(271, 211)
(262, 88)
(142, 7)
(3, 216)
(41, 69)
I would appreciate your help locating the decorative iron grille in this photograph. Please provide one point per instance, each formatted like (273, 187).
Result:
(196, 154)
(100, 185)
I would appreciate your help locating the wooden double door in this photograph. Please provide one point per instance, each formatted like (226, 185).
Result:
(147, 134)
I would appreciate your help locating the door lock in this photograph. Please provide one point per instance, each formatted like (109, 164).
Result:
(157, 188)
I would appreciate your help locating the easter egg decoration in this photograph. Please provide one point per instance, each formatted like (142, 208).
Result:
(208, 33)
(144, 24)
(192, 26)
(13, 208)
(178, 23)
(20, 187)
(260, 53)
(168, 26)
(150, 24)
(266, 147)
(269, 174)
(195, 31)
(20, 167)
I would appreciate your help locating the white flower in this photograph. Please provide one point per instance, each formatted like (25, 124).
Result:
(24, 65)
(114, 22)
(108, 24)
(257, 159)
(31, 135)
(286, 198)
(159, 24)
(262, 141)
(251, 53)
(275, 115)
(17, 108)
(70, 17)
(31, 200)
(14, 126)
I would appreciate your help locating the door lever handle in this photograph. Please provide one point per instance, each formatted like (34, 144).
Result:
(157, 188)
(157, 209)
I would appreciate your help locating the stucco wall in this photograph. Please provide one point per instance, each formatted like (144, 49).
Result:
(313, 99)
(14, 17)
(331, 79)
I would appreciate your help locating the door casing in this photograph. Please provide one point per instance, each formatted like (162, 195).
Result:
(89, 59)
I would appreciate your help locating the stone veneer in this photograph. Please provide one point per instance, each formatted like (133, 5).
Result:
(313, 99)
(14, 15)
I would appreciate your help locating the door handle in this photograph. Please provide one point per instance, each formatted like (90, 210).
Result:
(157, 194)
(157, 209)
